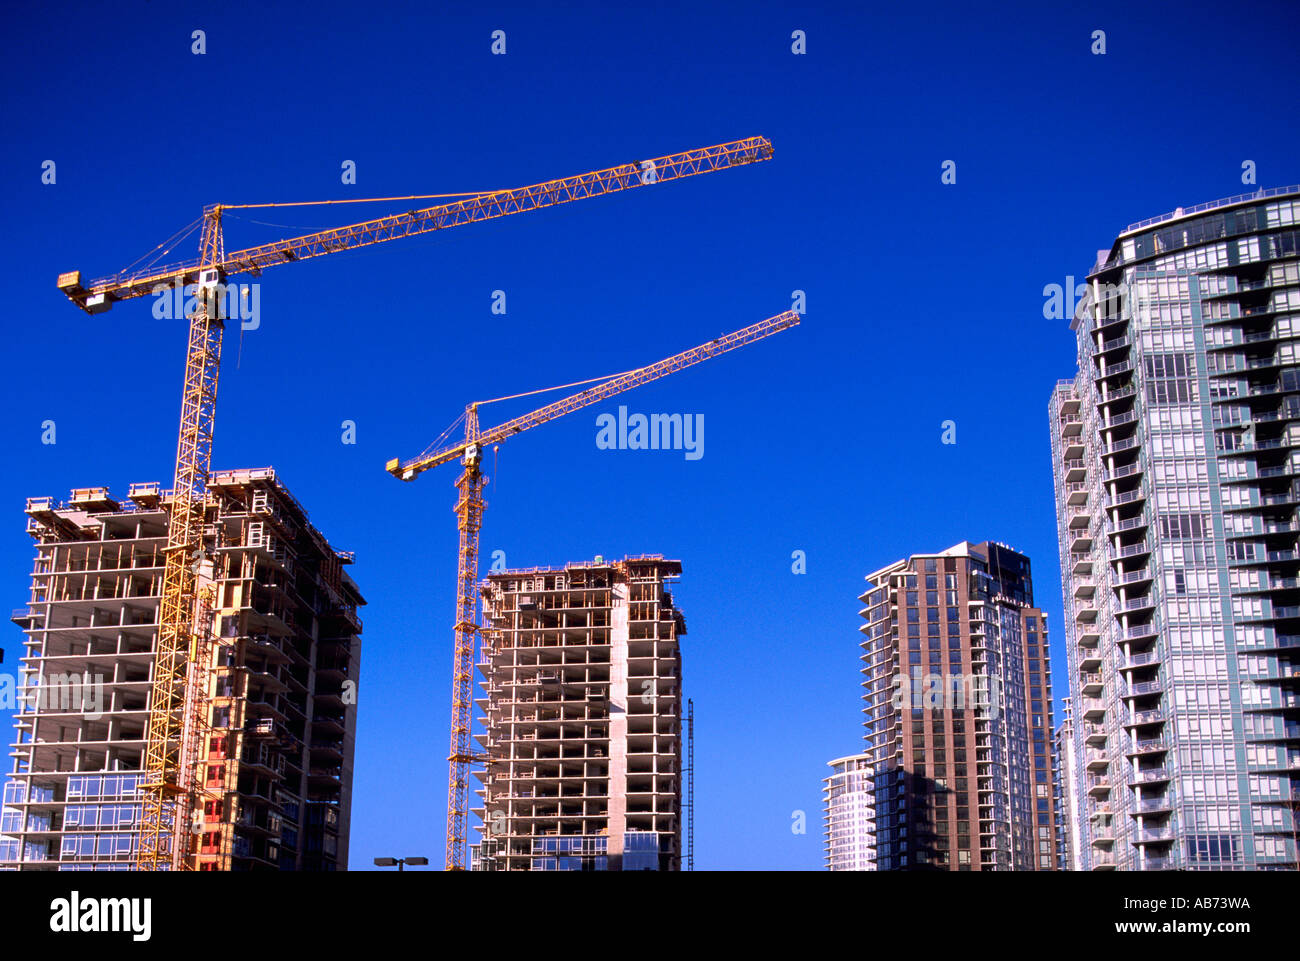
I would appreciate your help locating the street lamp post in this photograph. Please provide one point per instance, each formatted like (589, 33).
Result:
(400, 862)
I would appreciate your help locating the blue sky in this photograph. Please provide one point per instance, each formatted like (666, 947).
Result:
(924, 304)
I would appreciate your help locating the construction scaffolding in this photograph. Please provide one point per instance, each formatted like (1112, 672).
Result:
(267, 711)
(581, 716)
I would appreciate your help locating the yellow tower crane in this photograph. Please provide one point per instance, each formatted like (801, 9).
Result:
(469, 519)
(170, 782)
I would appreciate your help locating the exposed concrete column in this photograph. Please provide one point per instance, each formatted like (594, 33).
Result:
(618, 723)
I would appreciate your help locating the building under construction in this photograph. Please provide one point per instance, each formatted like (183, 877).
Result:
(582, 719)
(273, 756)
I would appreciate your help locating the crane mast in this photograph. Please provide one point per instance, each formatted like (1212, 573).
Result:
(171, 782)
(470, 506)
(164, 824)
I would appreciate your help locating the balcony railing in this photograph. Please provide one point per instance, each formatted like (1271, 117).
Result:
(1141, 660)
(1149, 805)
(1262, 194)
(1150, 774)
(1149, 746)
(1142, 687)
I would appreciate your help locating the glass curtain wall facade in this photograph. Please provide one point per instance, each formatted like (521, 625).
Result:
(848, 796)
(1176, 462)
(959, 714)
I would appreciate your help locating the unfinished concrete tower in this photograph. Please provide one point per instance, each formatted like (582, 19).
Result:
(581, 708)
(275, 753)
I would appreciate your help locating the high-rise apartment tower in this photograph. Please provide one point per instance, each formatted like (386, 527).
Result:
(849, 801)
(958, 707)
(582, 718)
(276, 753)
(1176, 450)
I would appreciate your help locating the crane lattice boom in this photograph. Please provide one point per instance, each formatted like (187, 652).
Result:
(408, 470)
(100, 294)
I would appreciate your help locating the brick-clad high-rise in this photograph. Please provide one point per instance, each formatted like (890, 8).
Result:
(958, 708)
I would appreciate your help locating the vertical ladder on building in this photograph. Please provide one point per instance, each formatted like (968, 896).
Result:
(690, 785)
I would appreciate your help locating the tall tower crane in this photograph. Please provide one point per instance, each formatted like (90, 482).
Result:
(469, 519)
(168, 794)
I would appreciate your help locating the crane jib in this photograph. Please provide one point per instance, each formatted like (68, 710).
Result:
(408, 470)
(99, 295)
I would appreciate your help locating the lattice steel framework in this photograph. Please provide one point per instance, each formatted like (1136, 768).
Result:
(486, 205)
(163, 811)
(690, 785)
(469, 519)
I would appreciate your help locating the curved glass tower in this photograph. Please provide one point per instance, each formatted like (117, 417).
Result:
(1176, 452)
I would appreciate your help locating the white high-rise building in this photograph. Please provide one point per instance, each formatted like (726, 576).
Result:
(849, 812)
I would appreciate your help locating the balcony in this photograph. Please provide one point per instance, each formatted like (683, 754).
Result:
(1140, 631)
(1288, 732)
(1130, 524)
(1128, 470)
(1141, 689)
(1149, 805)
(24, 617)
(1098, 784)
(1116, 344)
(1138, 604)
(1139, 748)
(1267, 584)
(1119, 446)
(1273, 613)
(1095, 760)
(347, 614)
(1142, 718)
(1128, 417)
(1165, 863)
(1132, 577)
(1094, 709)
(1145, 659)
(1075, 470)
(1154, 775)
(1159, 835)
(1113, 370)
(1094, 734)
(1089, 660)
(259, 727)
(1128, 497)
(1091, 683)
(1129, 550)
